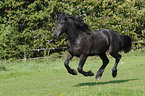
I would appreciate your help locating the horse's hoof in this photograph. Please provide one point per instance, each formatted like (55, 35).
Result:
(74, 72)
(99, 73)
(98, 78)
(90, 73)
(114, 73)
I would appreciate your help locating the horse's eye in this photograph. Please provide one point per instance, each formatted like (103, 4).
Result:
(62, 23)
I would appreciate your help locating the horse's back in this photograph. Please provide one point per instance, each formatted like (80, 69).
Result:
(110, 34)
(105, 39)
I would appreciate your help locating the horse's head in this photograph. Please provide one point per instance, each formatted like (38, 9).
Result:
(60, 25)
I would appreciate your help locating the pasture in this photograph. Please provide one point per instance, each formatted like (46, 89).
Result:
(48, 77)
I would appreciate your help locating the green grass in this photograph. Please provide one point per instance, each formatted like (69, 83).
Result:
(48, 77)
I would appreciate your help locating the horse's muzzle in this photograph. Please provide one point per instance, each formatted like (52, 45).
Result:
(55, 35)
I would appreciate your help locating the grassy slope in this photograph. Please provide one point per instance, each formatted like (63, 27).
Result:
(49, 77)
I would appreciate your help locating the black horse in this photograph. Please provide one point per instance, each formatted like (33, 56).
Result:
(83, 42)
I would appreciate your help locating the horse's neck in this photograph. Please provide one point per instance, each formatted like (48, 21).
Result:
(73, 35)
(73, 38)
(78, 39)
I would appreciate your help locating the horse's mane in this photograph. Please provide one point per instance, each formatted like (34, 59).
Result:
(80, 24)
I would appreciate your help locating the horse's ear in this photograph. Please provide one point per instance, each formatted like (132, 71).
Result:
(66, 17)
(56, 15)
(63, 13)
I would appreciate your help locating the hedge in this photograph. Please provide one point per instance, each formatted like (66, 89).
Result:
(28, 24)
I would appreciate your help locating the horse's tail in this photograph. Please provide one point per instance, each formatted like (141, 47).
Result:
(125, 43)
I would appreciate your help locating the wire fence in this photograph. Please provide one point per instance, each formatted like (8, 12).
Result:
(42, 49)
(137, 47)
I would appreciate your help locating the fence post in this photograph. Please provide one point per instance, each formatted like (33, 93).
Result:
(25, 57)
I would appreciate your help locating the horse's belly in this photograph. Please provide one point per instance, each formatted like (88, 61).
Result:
(98, 47)
(96, 50)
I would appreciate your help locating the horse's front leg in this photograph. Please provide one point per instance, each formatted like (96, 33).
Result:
(66, 64)
(81, 64)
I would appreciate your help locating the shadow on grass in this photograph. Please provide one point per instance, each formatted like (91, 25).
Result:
(103, 83)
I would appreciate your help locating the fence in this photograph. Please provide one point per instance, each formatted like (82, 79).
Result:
(135, 42)
(42, 49)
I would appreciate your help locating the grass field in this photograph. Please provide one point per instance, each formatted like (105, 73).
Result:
(48, 77)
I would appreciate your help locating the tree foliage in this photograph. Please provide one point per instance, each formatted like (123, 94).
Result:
(28, 24)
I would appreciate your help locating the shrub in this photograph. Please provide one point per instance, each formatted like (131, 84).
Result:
(28, 24)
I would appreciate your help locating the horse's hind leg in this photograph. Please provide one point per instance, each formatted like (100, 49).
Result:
(117, 57)
(101, 70)
(81, 64)
(66, 63)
